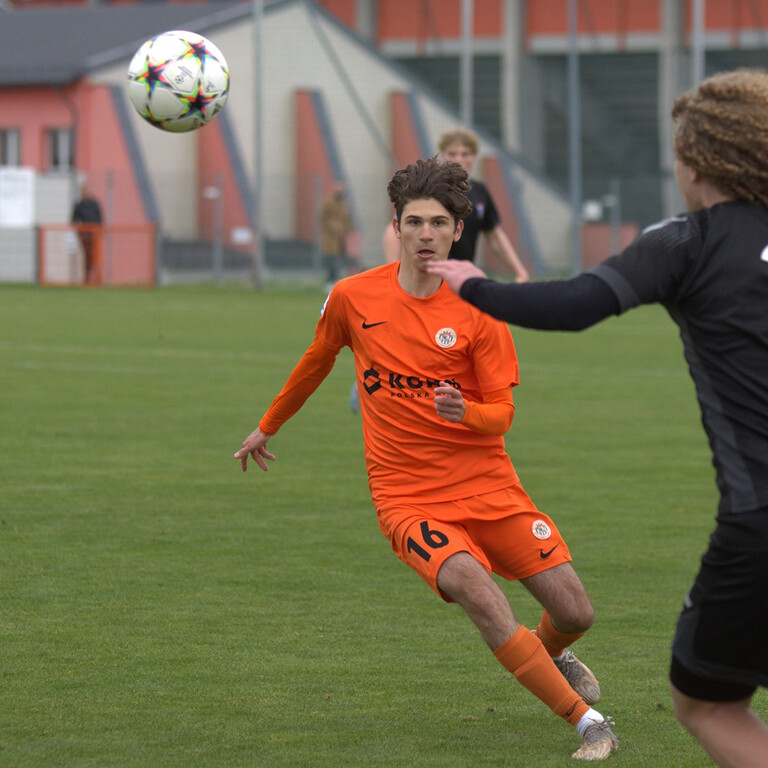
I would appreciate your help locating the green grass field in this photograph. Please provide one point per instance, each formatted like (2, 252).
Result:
(158, 608)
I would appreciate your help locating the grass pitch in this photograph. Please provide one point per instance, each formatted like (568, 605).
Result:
(158, 608)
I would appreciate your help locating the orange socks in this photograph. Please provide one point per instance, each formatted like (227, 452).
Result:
(552, 639)
(526, 658)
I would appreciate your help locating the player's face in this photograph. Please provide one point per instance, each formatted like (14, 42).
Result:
(427, 231)
(461, 154)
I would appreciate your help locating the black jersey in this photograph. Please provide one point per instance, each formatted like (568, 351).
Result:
(710, 270)
(86, 211)
(483, 218)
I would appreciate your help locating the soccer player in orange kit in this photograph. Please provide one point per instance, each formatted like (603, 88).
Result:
(436, 378)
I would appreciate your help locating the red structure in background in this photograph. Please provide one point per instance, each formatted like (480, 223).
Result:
(123, 254)
(314, 169)
(420, 21)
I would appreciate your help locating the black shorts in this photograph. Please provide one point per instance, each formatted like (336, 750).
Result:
(720, 647)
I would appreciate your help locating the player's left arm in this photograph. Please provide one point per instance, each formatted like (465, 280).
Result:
(491, 417)
(502, 246)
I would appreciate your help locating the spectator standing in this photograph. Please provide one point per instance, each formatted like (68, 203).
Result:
(336, 226)
(87, 214)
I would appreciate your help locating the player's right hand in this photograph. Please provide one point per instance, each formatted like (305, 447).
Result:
(255, 446)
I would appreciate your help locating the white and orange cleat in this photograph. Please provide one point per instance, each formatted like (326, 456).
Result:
(598, 743)
(579, 676)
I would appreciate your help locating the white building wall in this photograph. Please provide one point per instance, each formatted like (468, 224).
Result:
(295, 57)
(51, 204)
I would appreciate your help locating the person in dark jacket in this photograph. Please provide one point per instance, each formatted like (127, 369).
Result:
(87, 212)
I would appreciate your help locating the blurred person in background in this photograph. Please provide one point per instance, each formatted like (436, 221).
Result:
(87, 211)
(336, 226)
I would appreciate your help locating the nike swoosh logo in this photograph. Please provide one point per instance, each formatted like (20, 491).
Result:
(544, 555)
(366, 326)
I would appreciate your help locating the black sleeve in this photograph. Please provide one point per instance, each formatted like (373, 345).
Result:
(557, 305)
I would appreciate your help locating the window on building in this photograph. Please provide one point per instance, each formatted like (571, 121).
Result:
(10, 146)
(61, 149)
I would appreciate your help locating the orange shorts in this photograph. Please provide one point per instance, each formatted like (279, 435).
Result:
(503, 530)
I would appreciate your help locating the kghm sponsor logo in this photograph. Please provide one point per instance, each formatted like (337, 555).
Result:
(402, 385)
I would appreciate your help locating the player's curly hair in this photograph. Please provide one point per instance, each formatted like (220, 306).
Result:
(721, 132)
(447, 183)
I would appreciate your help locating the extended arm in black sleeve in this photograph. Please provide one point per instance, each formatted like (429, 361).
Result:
(556, 305)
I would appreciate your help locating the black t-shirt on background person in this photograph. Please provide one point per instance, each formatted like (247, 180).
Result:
(484, 218)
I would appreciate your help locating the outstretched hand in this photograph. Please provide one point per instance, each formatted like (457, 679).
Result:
(455, 272)
(255, 446)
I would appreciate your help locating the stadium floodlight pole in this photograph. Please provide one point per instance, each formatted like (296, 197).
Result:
(258, 88)
(467, 76)
(697, 43)
(574, 135)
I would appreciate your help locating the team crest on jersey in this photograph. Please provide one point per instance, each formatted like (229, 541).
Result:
(445, 338)
(541, 530)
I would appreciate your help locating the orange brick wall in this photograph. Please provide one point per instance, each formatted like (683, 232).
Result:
(420, 20)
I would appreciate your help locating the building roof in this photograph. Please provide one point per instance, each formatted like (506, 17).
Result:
(57, 46)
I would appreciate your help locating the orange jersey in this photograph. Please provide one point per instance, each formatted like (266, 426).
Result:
(403, 347)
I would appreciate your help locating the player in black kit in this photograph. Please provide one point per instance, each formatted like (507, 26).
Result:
(709, 268)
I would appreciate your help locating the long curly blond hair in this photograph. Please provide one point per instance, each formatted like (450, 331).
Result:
(722, 132)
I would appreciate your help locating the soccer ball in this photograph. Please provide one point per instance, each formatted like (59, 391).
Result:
(178, 81)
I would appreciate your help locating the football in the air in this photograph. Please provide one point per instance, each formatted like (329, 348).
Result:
(178, 81)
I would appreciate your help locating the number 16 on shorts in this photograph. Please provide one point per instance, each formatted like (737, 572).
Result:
(431, 539)
(428, 544)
